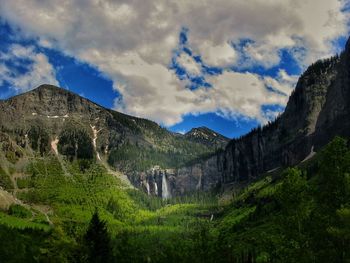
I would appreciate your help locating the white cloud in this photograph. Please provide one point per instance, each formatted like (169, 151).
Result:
(152, 91)
(132, 42)
(246, 91)
(283, 83)
(220, 55)
(37, 69)
(189, 64)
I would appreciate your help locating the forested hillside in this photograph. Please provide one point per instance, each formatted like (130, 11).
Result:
(300, 214)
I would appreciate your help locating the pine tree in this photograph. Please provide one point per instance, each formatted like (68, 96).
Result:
(98, 241)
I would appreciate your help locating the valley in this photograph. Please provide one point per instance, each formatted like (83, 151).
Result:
(82, 183)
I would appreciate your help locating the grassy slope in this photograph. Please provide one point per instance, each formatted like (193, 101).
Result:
(58, 201)
(146, 228)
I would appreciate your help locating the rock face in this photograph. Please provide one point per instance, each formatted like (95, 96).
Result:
(51, 120)
(207, 136)
(202, 176)
(317, 110)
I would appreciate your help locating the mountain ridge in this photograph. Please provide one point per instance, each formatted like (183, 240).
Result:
(207, 136)
(151, 156)
(53, 120)
(317, 110)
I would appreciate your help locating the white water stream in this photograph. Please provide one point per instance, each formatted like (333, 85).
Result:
(165, 191)
(95, 132)
(156, 188)
(148, 188)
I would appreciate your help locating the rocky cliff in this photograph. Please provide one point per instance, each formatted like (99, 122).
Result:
(317, 110)
(51, 120)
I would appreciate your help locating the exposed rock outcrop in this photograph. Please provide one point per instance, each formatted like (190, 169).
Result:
(317, 110)
(53, 120)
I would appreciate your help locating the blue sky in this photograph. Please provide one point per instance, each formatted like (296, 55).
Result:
(229, 75)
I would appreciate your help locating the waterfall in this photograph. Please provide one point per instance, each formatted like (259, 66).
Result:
(156, 188)
(199, 184)
(148, 190)
(165, 191)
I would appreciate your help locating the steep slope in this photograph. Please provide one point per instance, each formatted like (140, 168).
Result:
(51, 120)
(207, 136)
(317, 110)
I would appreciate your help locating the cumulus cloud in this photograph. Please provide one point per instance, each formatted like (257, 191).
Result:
(283, 83)
(132, 43)
(191, 66)
(35, 68)
(221, 55)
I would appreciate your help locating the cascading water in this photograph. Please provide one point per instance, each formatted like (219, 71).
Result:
(156, 188)
(148, 188)
(165, 191)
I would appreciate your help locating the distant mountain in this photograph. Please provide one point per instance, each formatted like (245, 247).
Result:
(207, 136)
(51, 120)
(317, 111)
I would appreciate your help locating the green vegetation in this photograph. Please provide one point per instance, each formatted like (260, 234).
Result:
(298, 218)
(134, 157)
(5, 180)
(75, 143)
(39, 138)
(87, 215)
(19, 211)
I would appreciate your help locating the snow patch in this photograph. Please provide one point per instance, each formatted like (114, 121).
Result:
(56, 116)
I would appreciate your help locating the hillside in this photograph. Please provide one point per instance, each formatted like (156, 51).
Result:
(278, 194)
(50, 120)
(207, 136)
(317, 110)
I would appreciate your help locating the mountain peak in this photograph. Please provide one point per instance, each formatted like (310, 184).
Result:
(49, 100)
(48, 87)
(207, 136)
(52, 90)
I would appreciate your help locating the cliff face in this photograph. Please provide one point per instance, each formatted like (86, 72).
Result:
(51, 120)
(317, 110)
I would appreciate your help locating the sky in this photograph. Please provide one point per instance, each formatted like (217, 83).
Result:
(229, 65)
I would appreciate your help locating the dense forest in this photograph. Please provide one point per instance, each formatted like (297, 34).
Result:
(299, 214)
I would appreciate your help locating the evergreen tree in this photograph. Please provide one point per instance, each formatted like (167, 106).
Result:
(332, 197)
(97, 240)
(294, 199)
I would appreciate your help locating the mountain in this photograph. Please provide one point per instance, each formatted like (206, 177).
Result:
(63, 189)
(207, 136)
(52, 120)
(317, 110)
(162, 163)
